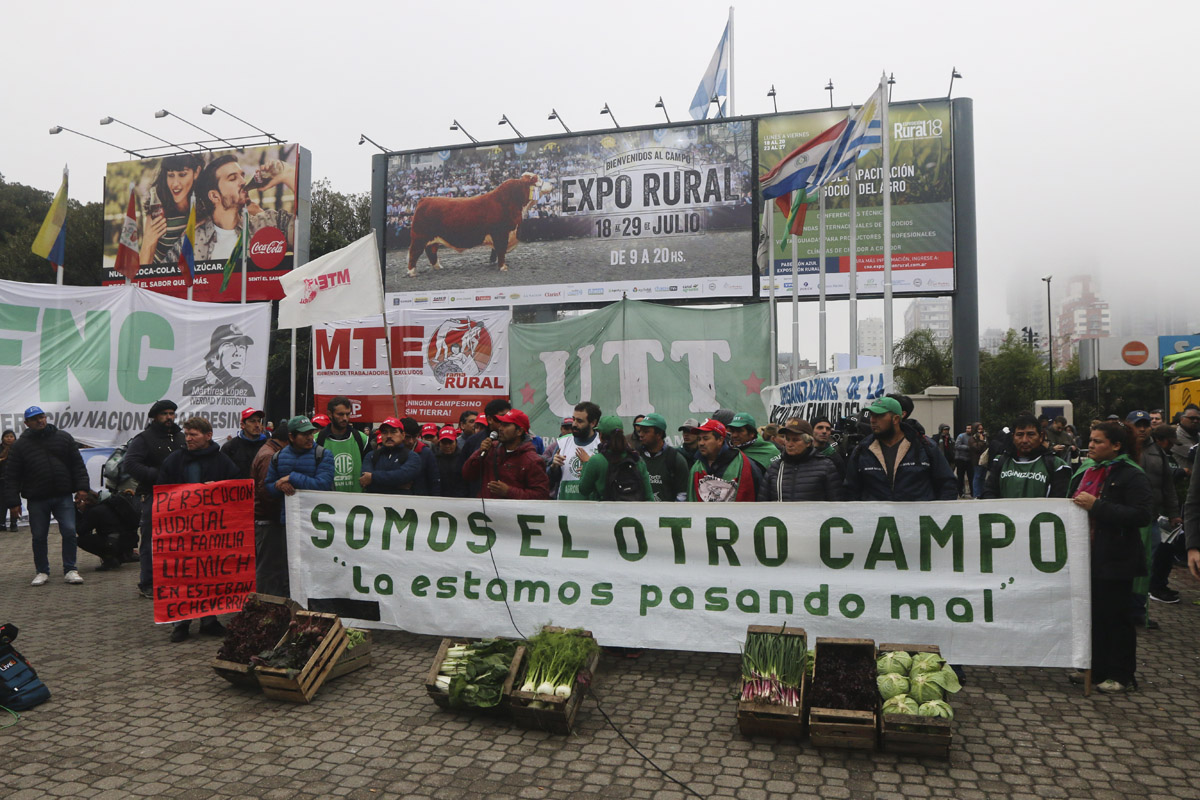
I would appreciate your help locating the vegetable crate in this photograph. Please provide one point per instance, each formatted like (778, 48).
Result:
(771, 719)
(905, 733)
(558, 715)
(353, 658)
(442, 698)
(243, 674)
(301, 686)
(836, 727)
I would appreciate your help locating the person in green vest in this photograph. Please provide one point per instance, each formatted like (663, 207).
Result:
(1027, 468)
(669, 470)
(743, 435)
(615, 471)
(346, 446)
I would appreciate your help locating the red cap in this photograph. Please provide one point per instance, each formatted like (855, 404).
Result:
(320, 420)
(429, 429)
(516, 417)
(712, 426)
(481, 420)
(250, 412)
(392, 422)
(448, 432)
(568, 421)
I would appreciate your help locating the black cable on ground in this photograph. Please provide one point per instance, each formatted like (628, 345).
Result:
(633, 747)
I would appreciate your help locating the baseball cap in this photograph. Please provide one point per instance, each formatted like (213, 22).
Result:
(33, 411)
(568, 422)
(300, 424)
(742, 420)
(797, 426)
(653, 421)
(723, 415)
(712, 426)
(250, 412)
(608, 424)
(885, 405)
(1137, 416)
(688, 424)
(392, 422)
(481, 421)
(448, 432)
(321, 420)
(429, 429)
(516, 417)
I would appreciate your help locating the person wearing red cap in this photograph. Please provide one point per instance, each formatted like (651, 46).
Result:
(320, 420)
(391, 468)
(452, 483)
(242, 448)
(429, 482)
(721, 474)
(470, 444)
(509, 465)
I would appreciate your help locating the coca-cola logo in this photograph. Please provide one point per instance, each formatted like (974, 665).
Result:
(268, 246)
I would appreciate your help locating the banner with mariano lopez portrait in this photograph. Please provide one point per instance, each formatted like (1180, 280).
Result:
(443, 363)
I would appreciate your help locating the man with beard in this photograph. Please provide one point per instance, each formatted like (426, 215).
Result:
(143, 457)
(347, 446)
(451, 479)
(895, 463)
(221, 199)
(1027, 468)
(574, 451)
(223, 366)
(508, 466)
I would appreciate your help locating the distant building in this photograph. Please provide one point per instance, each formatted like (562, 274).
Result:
(1081, 315)
(991, 339)
(930, 312)
(870, 337)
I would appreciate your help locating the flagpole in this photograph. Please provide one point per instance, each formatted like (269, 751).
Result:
(293, 375)
(853, 173)
(245, 247)
(387, 331)
(821, 278)
(887, 221)
(732, 112)
(769, 210)
(795, 307)
(58, 273)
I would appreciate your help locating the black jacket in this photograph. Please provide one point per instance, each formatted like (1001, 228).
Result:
(43, 464)
(1160, 470)
(241, 452)
(148, 450)
(452, 483)
(921, 472)
(1059, 472)
(1191, 512)
(793, 479)
(1122, 509)
(197, 466)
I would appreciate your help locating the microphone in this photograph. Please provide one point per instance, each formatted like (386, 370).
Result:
(493, 436)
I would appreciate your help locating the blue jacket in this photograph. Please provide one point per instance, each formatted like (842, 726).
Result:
(921, 471)
(429, 482)
(309, 470)
(392, 470)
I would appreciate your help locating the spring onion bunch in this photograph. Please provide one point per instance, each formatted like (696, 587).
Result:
(555, 659)
(772, 667)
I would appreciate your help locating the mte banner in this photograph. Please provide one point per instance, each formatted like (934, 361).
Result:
(443, 363)
(1001, 582)
(96, 358)
(637, 358)
(830, 394)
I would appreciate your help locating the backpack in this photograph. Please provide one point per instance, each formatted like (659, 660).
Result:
(113, 475)
(318, 452)
(624, 481)
(20, 687)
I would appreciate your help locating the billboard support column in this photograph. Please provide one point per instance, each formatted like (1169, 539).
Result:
(853, 175)
(795, 307)
(387, 343)
(770, 212)
(821, 278)
(887, 220)
(965, 312)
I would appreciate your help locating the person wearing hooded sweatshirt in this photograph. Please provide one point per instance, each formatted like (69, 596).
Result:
(743, 434)
(721, 474)
(270, 543)
(614, 449)
(801, 474)
(895, 463)
(1026, 467)
(509, 465)
(242, 449)
(143, 457)
(1116, 493)
(201, 461)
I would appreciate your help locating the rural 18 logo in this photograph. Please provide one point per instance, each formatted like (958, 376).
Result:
(459, 352)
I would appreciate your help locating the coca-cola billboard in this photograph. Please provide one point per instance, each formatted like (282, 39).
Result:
(262, 191)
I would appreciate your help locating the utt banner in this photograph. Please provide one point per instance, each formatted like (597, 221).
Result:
(443, 363)
(835, 395)
(203, 548)
(1001, 582)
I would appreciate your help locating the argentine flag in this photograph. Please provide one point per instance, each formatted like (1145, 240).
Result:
(715, 82)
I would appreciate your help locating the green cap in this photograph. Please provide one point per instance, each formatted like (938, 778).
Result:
(742, 420)
(608, 424)
(885, 404)
(653, 421)
(300, 424)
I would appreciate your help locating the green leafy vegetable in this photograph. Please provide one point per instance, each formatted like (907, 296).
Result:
(474, 674)
(925, 687)
(896, 661)
(925, 662)
(936, 708)
(900, 704)
(891, 684)
(773, 665)
(555, 659)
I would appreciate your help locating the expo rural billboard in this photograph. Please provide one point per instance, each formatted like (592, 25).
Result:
(922, 205)
(267, 184)
(654, 213)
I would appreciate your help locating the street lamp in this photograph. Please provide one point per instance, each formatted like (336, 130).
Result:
(891, 83)
(162, 112)
(454, 126)
(210, 109)
(57, 129)
(954, 73)
(1049, 334)
(362, 137)
(771, 94)
(111, 120)
(829, 88)
(504, 120)
(663, 106)
(607, 110)
(554, 115)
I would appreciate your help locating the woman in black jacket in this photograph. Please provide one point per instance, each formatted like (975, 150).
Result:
(1115, 492)
(800, 474)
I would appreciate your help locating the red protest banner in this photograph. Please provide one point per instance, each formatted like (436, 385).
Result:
(203, 547)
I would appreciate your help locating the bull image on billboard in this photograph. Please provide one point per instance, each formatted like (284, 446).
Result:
(262, 186)
(664, 212)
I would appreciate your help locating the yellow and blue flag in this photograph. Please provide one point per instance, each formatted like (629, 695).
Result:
(187, 255)
(51, 240)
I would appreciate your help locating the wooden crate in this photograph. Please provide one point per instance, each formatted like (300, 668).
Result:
(243, 674)
(835, 727)
(442, 699)
(354, 658)
(909, 734)
(301, 686)
(559, 715)
(769, 719)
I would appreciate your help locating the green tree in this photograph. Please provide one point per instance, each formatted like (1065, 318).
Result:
(22, 210)
(1010, 381)
(921, 361)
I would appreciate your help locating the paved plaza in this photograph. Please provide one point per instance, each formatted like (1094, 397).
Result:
(135, 716)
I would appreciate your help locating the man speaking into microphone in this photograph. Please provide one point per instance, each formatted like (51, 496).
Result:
(506, 462)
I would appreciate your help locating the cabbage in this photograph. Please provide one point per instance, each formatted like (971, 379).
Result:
(895, 661)
(936, 708)
(925, 662)
(891, 684)
(900, 704)
(925, 687)
(949, 679)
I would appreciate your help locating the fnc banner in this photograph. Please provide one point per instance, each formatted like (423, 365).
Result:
(96, 358)
(634, 358)
(835, 395)
(265, 185)
(663, 212)
(992, 582)
(922, 205)
(443, 363)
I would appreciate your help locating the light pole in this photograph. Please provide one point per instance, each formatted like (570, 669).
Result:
(362, 137)
(771, 94)
(454, 126)
(210, 109)
(1049, 334)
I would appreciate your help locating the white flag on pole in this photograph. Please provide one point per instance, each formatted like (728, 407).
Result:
(344, 284)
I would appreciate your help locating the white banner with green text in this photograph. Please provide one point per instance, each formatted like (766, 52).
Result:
(1000, 582)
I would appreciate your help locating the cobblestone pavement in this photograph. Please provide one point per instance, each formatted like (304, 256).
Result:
(135, 716)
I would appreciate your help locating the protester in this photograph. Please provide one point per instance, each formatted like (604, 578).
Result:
(483, 427)
(1115, 492)
(1160, 472)
(1059, 440)
(1026, 468)
(565, 428)
(320, 420)
(508, 466)
(801, 474)
(429, 433)
(743, 434)
(945, 442)
(669, 470)
(346, 446)
(575, 450)
(450, 478)
(44, 467)
(1191, 522)
(143, 457)
(270, 544)
(823, 444)
(301, 466)
(721, 473)
(393, 467)
(201, 462)
(962, 461)
(108, 529)
(1156, 417)
(689, 439)
(980, 446)
(242, 449)
(466, 423)
(428, 482)
(7, 440)
(895, 462)
(616, 471)
(1187, 435)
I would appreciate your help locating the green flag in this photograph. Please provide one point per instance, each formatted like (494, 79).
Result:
(234, 259)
